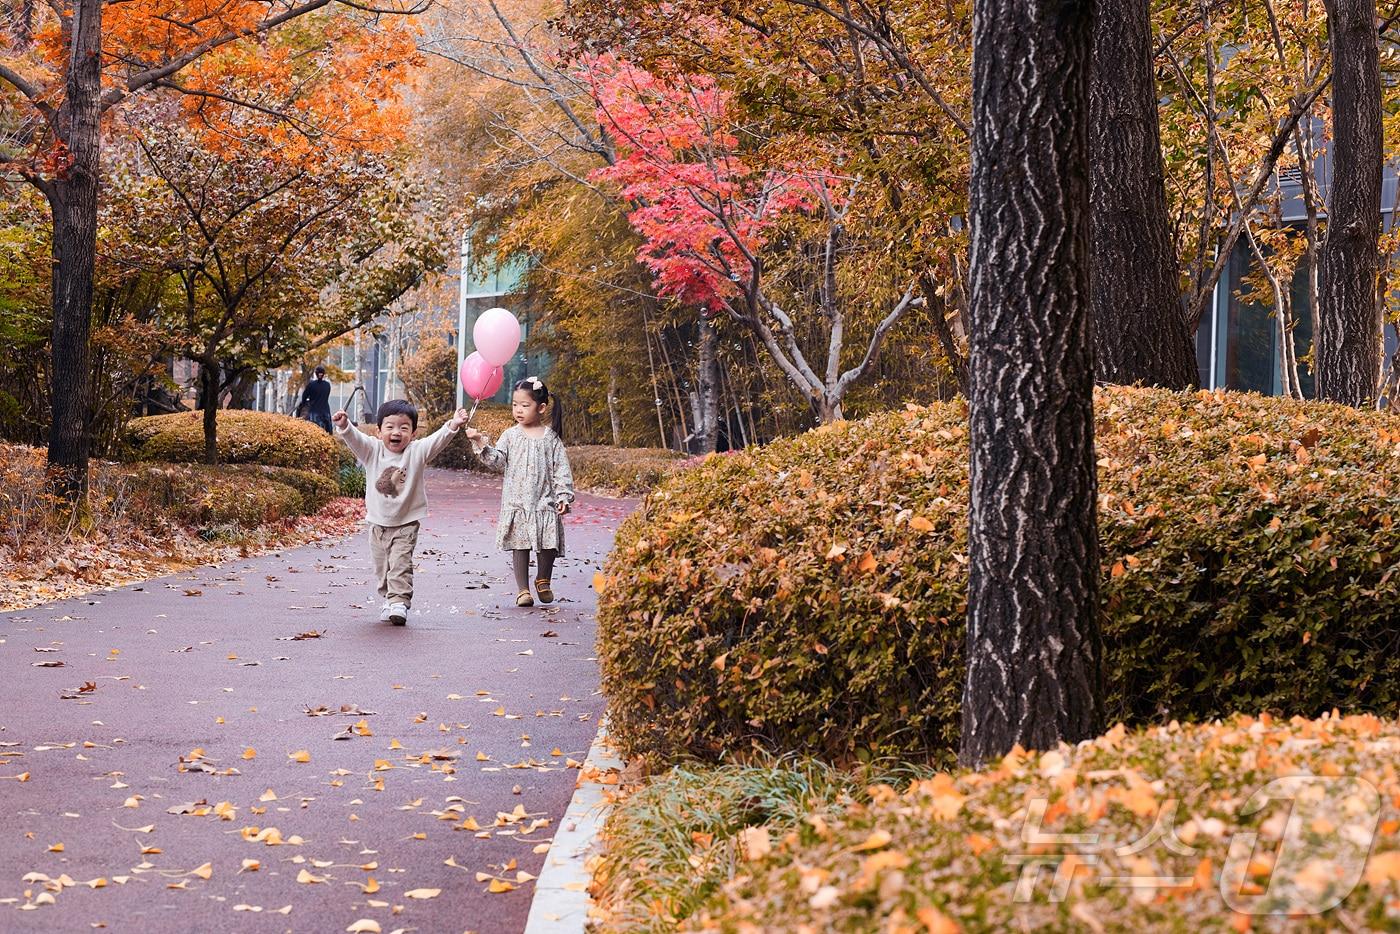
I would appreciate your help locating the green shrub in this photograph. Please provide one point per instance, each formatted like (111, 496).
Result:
(946, 853)
(492, 419)
(811, 595)
(351, 481)
(244, 437)
(621, 471)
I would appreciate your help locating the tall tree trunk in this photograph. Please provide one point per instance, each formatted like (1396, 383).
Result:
(1033, 643)
(614, 412)
(72, 196)
(1349, 336)
(707, 385)
(1140, 330)
(209, 402)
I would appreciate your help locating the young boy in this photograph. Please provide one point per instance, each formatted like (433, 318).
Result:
(395, 501)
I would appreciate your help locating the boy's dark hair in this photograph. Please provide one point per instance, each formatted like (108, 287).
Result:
(540, 393)
(320, 371)
(398, 407)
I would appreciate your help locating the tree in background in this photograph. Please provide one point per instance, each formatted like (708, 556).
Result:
(514, 138)
(1140, 330)
(69, 65)
(707, 213)
(266, 261)
(1033, 644)
(1349, 316)
(429, 376)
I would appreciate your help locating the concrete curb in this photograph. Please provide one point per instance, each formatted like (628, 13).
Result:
(561, 901)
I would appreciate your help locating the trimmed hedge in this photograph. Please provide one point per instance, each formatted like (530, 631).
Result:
(1153, 816)
(621, 471)
(245, 437)
(811, 595)
(238, 496)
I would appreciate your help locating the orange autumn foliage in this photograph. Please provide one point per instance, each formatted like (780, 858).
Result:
(322, 79)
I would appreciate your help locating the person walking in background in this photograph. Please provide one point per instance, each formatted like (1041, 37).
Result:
(316, 400)
(538, 489)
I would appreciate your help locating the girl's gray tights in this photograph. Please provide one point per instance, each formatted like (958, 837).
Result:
(520, 562)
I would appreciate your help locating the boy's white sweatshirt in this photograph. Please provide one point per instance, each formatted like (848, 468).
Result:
(407, 500)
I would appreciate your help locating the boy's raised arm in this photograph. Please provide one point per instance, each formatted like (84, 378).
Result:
(439, 439)
(360, 444)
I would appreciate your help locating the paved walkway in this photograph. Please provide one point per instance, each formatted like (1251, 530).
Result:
(471, 711)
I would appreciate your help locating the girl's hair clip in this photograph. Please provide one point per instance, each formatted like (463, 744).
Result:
(536, 382)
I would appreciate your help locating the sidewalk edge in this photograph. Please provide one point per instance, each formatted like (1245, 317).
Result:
(561, 900)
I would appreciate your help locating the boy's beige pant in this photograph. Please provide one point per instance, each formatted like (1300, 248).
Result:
(392, 546)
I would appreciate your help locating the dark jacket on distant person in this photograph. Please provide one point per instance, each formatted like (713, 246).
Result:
(316, 397)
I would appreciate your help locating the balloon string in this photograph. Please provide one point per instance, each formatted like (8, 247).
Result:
(472, 413)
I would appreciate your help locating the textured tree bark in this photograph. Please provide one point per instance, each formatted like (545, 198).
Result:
(1349, 319)
(1033, 644)
(72, 195)
(1140, 329)
(707, 384)
(209, 402)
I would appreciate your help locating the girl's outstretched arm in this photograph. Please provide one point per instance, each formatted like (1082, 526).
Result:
(492, 457)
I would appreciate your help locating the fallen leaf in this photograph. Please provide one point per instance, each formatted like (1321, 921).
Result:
(203, 872)
(306, 878)
(365, 926)
(422, 893)
(250, 753)
(301, 755)
(755, 843)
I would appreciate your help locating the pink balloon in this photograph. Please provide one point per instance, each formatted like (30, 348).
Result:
(479, 378)
(497, 336)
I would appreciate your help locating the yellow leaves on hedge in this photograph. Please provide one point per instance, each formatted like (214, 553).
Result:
(936, 922)
(920, 524)
(876, 840)
(1383, 868)
(600, 582)
(755, 843)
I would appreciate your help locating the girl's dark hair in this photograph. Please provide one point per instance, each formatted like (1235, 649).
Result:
(540, 393)
(398, 407)
(320, 371)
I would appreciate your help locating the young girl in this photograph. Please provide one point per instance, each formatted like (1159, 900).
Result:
(538, 488)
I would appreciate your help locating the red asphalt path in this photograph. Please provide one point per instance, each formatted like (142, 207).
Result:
(202, 660)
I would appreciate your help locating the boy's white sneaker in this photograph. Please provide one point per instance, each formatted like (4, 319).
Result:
(384, 611)
(398, 614)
